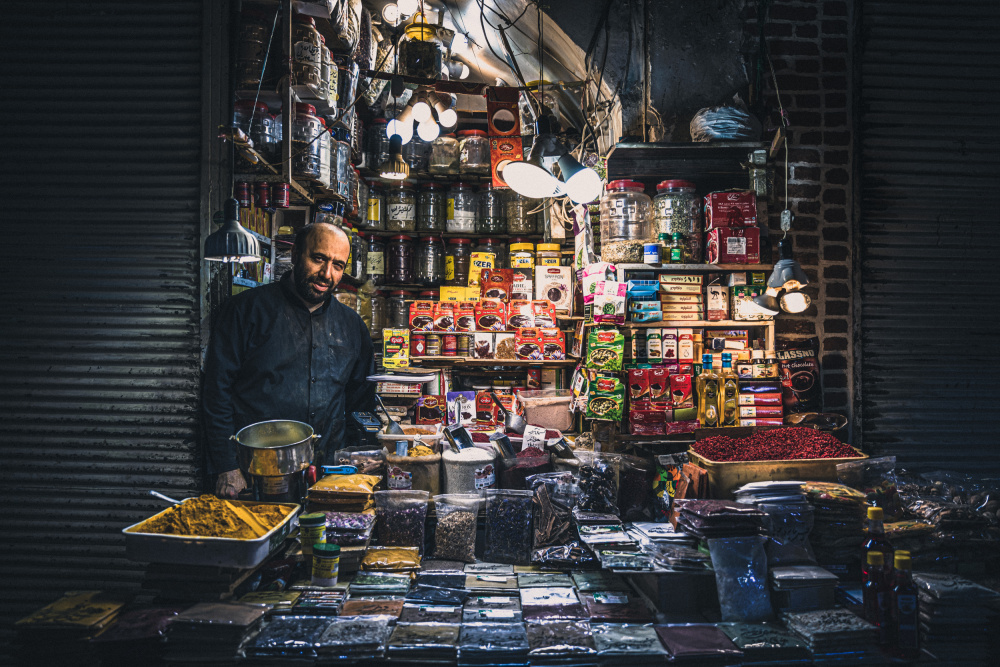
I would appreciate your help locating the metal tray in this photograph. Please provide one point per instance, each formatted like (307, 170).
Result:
(210, 551)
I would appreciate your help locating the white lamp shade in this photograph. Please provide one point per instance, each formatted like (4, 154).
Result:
(530, 180)
(428, 129)
(403, 129)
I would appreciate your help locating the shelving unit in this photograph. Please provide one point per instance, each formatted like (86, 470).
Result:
(470, 361)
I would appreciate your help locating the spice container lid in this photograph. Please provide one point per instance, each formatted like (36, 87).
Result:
(459, 241)
(433, 186)
(549, 246)
(380, 121)
(398, 292)
(472, 133)
(431, 240)
(518, 239)
(313, 519)
(326, 550)
(429, 292)
(401, 237)
(522, 246)
(674, 185)
(624, 184)
(301, 107)
(250, 105)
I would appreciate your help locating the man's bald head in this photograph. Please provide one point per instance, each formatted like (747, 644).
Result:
(319, 258)
(305, 236)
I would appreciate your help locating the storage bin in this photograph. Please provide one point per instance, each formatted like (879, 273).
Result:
(468, 471)
(548, 408)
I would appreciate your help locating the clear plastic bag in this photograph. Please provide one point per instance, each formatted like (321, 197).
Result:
(876, 478)
(599, 482)
(368, 461)
(508, 526)
(455, 533)
(490, 641)
(288, 636)
(741, 577)
(400, 518)
(788, 528)
(355, 637)
(437, 595)
(635, 488)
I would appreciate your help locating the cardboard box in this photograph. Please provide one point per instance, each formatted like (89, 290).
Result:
(520, 314)
(677, 279)
(733, 245)
(528, 344)
(646, 422)
(681, 298)
(555, 284)
(453, 293)
(673, 288)
(744, 308)
(491, 315)
(669, 344)
(422, 315)
(730, 209)
(430, 410)
(522, 284)
(396, 348)
(465, 316)
(444, 316)
(671, 309)
(683, 317)
(718, 303)
(483, 346)
(461, 407)
(496, 284)
(681, 395)
(544, 313)
(685, 346)
(553, 344)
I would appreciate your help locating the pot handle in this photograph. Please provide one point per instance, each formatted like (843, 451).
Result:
(317, 436)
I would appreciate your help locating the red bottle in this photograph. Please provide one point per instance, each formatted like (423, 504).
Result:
(903, 607)
(875, 593)
(876, 541)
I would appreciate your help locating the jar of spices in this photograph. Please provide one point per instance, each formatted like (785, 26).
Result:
(398, 310)
(492, 214)
(429, 262)
(257, 123)
(473, 152)
(496, 247)
(417, 153)
(444, 155)
(375, 267)
(432, 208)
(359, 256)
(401, 208)
(522, 255)
(462, 208)
(307, 53)
(306, 145)
(420, 50)
(374, 217)
(449, 345)
(312, 530)
(399, 260)
(626, 220)
(677, 210)
(380, 312)
(347, 295)
(463, 341)
(456, 262)
(377, 144)
(548, 254)
(520, 216)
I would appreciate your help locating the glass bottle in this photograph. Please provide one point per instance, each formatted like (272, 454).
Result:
(729, 403)
(456, 262)
(876, 539)
(432, 208)
(708, 394)
(677, 209)
(463, 205)
(257, 123)
(492, 214)
(374, 217)
(399, 260)
(380, 313)
(401, 208)
(875, 596)
(375, 271)
(326, 155)
(428, 262)
(904, 610)
(473, 152)
(444, 155)
(520, 219)
(340, 162)
(359, 255)
(398, 310)
(676, 249)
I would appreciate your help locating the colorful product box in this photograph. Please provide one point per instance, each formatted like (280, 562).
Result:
(681, 395)
(760, 400)
(422, 315)
(718, 303)
(647, 422)
(395, 348)
(555, 284)
(683, 288)
(520, 314)
(496, 284)
(522, 284)
(528, 344)
(491, 315)
(730, 209)
(733, 245)
(553, 344)
(744, 309)
(430, 410)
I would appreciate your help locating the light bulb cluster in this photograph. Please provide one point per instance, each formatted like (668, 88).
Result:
(429, 111)
(532, 178)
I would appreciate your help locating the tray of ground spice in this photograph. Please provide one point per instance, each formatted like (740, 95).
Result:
(210, 531)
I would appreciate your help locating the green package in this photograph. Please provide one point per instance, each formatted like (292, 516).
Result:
(605, 350)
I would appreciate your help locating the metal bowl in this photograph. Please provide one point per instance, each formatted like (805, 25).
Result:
(275, 448)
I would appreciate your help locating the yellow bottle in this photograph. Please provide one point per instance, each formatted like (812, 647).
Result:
(708, 394)
(729, 396)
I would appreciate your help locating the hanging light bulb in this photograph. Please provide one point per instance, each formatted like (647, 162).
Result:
(531, 178)
(408, 7)
(446, 114)
(428, 129)
(768, 301)
(231, 242)
(581, 184)
(395, 168)
(421, 110)
(390, 13)
(465, 72)
(795, 302)
(401, 125)
(787, 274)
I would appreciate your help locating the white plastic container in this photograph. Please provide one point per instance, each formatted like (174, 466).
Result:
(548, 408)
(468, 471)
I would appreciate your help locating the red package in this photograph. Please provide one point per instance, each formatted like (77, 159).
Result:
(730, 209)
(733, 245)
(534, 378)
(422, 316)
(766, 421)
(496, 283)
(680, 391)
(545, 313)
(491, 315)
(444, 316)
(758, 411)
(638, 384)
(486, 409)
(465, 316)
(659, 384)
(528, 344)
(760, 399)
(553, 344)
(646, 422)
(520, 314)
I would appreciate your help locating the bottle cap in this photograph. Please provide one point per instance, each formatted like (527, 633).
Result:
(727, 356)
(706, 359)
(902, 560)
(875, 513)
(326, 550)
(876, 558)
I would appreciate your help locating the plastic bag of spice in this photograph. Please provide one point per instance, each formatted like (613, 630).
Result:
(400, 518)
(599, 482)
(635, 488)
(876, 478)
(529, 461)
(391, 559)
(455, 534)
(508, 526)
(553, 522)
(741, 576)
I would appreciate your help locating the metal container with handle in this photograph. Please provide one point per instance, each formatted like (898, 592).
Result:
(275, 448)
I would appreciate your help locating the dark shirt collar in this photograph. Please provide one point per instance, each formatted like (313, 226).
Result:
(287, 283)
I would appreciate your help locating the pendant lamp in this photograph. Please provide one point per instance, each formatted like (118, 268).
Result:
(787, 274)
(395, 168)
(231, 242)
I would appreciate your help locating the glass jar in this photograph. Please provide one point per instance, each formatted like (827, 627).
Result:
(330, 212)
(677, 210)
(375, 268)
(307, 53)
(398, 310)
(376, 144)
(254, 39)
(399, 260)
(429, 262)
(522, 255)
(359, 255)
(626, 221)
(326, 143)
(417, 153)
(326, 64)
(456, 262)
(258, 124)
(306, 148)
(340, 163)
(520, 219)
(401, 208)
(544, 97)
(374, 217)
(495, 247)
(473, 152)
(420, 50)
(463, 205)
(444, 155)
(347, 295)
(432, 208)
(492, 214)
(548, 254)
(380, 312)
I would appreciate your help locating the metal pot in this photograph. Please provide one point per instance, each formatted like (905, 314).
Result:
(275, 448)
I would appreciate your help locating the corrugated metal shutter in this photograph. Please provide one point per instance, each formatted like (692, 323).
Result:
(930, 168)
(101, 194)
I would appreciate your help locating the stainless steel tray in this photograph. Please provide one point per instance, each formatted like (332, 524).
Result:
(211, 551)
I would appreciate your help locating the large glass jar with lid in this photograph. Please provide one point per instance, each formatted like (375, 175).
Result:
(306, 146)
(376, 144)
(492, 210)
(420, 50)
(340, 162)
(456, 262)
(463, 206)
(521, 218)
(398, 310)
(399, 260)
(375, 267)
(326, 144)
(257, 123)
(401, 208)
(347, 295)
(626, 221)
(473, 152)
(444, 155)
(428, 262)
(677, 210)
(307, 53)
(495, 247)
(374, 217)
(254, 39)
(380, 312)
(359, 255)
(416, 153)
(432, 207)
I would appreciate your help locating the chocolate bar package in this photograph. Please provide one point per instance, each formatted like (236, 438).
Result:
(430, 410)
(444, 316)
(496, 284)
(553, 344)
(528, 344)
(520, 314)
(491, 315)
(422, 315)
(800, 375)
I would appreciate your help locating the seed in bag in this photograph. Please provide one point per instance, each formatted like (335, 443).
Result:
(605, 350)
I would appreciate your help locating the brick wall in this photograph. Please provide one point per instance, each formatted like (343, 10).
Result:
(809, 47)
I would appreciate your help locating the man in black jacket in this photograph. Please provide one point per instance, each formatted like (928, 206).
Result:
(287, 351)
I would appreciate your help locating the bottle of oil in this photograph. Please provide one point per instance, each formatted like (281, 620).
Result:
(729, 408)
(876, 541)
(708, 394)
(905, 616)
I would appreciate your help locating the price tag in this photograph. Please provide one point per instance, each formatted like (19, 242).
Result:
(493, 600)
(736, 245)
(610, 598)
(496, 613)
(492, 577)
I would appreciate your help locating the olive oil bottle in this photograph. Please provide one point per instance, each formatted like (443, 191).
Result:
(708, 394)
(729, 395)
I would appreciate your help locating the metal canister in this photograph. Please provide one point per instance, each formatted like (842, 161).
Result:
(262, 194)
(242, 194)
(462, 348)
(433, 345)
(449, 345)
(418, 345)
(281, 194)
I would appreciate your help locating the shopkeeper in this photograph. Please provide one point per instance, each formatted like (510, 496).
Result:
(287, 351)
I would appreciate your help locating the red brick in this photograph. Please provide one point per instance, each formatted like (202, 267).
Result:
(836, 176)
(834, 27)
(835, 119)
(835, 253)
(836, 380)
(803, 155)
(808, 102)
(831, 344)
(835, 400)
(798, 48)
(836, 8)
(786, 325)
(807, 66)
(839, 233)
(807, 258)
(835, 272)
(811, 274)
(836, 82)
(837, 138)
(804, 191)
(806, 30)
(835, 326)
(809, 207)
(834, 64)
(835, 100)
(792, 82)
(807, 241)
(837, 307)
(832, 45)
(837, 290)
(835, 157)
(799, 13)
(834, 196)
(803, 173)
(835, 215)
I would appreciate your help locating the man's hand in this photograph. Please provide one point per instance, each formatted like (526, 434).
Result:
(229, 484)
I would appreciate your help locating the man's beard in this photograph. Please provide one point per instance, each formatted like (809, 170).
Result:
(305, 290)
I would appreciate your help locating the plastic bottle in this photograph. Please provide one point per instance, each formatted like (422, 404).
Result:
(708, 394)
(875, 591)
(905, 615)
(876, 541)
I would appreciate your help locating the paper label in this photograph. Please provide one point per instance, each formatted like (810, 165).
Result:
(430, 609)
(451, 208)
(402, 212)
(534, 436)
(376, 263)
(493, 600)
(496, 578)
(610, 598)
(736, 245)
(449, 267)
(273, 486)
(485, 478)
(400, 479)
(496, 613)
(374, 210)
(305, 52)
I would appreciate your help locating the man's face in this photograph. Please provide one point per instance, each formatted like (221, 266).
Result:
(321, 264)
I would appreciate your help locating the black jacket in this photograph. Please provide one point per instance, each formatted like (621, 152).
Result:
(270, 358)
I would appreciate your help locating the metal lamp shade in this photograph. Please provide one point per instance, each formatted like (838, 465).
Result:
(231, 242)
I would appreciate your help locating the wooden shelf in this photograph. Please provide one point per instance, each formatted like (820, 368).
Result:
(695, 268)
(710, 166)
(735, 324)
(469, 361)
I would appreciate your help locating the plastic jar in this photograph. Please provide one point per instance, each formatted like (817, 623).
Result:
(401, 208)
(326, 143)
(496, 247)
(428, 267)
(326, 65)
(347, 295)
(306, 148)
(522, 255)
(520, 220)
(254, 38)
(307, 53)
(257, 123)
(312, 530)
(463, 206)
(473, 152)
(465, 471)
(417, 153)
(325, 565)
(677, 210)
(398, 310)
(444, 155)
(548, 254)
(374, 217)
(380, 312)
(432, 208)
(376, 144)
(456, 262)
(399, 260)
(492, 214)
(420, 50)
(359, 255)
(340, 163)
(626, 217)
